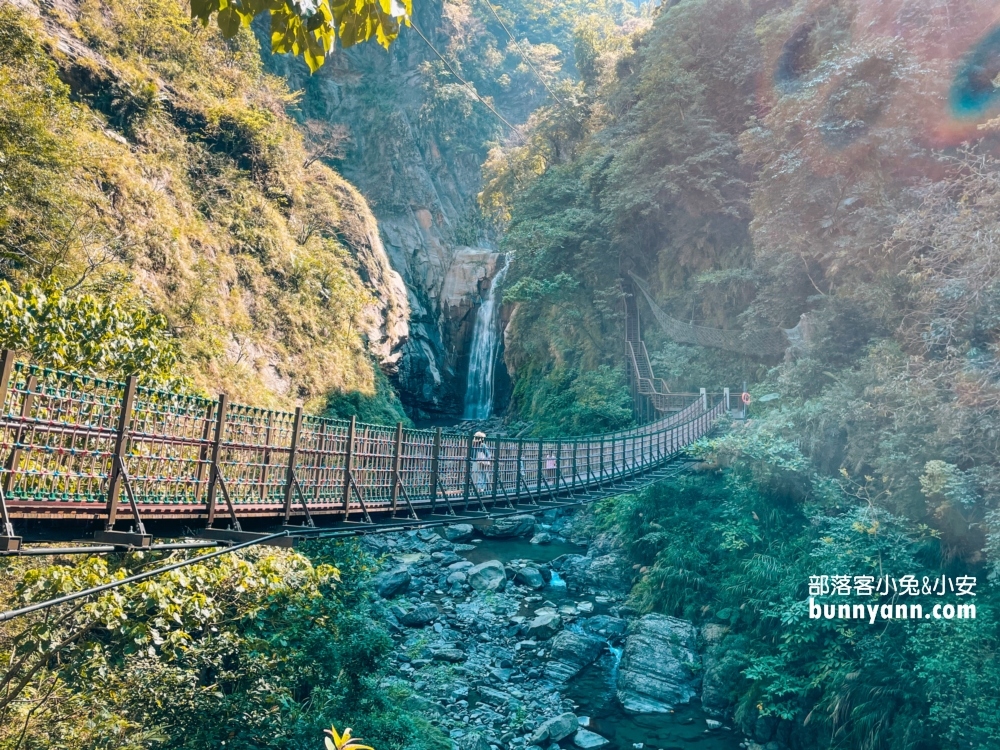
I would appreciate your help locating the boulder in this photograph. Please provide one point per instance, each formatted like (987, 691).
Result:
(388, 583)
(717, 670)
(473, 741)
(486, 576)
(655, 670)
(422, 614)
(607, 573)
(605, 625)
(555, 729)
(510, 526)
(458, 532)
(569, 653)
(543, 537)
(458, 577)
(453, 655)
(544, 626)
(588, 740)
(530, 577)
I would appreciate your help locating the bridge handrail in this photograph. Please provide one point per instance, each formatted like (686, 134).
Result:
(69, 443)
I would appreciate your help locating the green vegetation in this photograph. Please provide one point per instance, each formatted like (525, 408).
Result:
(381, 407)
(754, 165)
(153, 176)
(258, 649)
(310, 31)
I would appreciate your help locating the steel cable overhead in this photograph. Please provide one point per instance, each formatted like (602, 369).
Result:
(521, 53)
(468, 85)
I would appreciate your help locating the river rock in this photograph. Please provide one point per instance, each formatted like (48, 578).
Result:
(555, 729)
(530, 577)
(510, 526)
(458, 532)
(453, 655)
(588, 740)
(569, 653)
(716, 672)
(543, 537)
(606, 573)
(473, 741)
(388, 583)
(655, 671)
(605, 625)
(422, 614)
(544, 626)
(486, 576)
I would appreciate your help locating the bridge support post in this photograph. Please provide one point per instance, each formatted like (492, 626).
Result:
(8, 541)
(214, 472)
(468, 471)
(435, 469)
(204, 453)
(266, 462)
(119, 478)
(518, 469)
(704, 399)
(496, 469)
(348, 460)
(292, 456)
(558, 463)
(541, 446)
(600, 468)
(397, 457)
(573, 468)
(118, 455)
(725, 395)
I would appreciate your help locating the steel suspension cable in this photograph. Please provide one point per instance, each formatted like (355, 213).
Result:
(468, 85)
(524, 57)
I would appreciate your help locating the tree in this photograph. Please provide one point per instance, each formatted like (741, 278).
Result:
(309, 28)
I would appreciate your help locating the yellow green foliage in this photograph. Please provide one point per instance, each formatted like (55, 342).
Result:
(145, 157)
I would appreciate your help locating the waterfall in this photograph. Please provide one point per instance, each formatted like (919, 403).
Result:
(483, 354)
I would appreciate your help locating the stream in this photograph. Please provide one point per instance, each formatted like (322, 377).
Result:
(593, 690)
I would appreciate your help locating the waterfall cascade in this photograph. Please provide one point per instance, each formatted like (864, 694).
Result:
(483, 353)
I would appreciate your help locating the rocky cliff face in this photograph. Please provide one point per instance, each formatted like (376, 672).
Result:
(413, 138)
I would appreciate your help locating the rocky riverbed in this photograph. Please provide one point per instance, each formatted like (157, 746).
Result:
(518, 636)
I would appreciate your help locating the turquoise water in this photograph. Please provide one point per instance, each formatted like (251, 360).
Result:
(594, 688)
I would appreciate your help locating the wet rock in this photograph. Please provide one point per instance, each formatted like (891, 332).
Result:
(541, 538)
(458, 577)
(606, 573)
(715, 678)
(544, 626)
(605, 625)
(422, 614)
(460, 565)
(555, 729)
(453, 655)
(655, 671)
(473, 741)
(588, 740)
(389, 583)
(487, 576)
(510, 526)
(569, 653)
(459, 532)
(530, 577)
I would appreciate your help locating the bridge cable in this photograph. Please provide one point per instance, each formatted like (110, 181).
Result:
(468, 85)
(524, 57)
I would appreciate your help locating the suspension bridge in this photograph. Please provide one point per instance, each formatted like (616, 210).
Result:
(117, 460)
(116, 463)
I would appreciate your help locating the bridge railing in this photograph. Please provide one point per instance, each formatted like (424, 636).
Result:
(75, 446)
